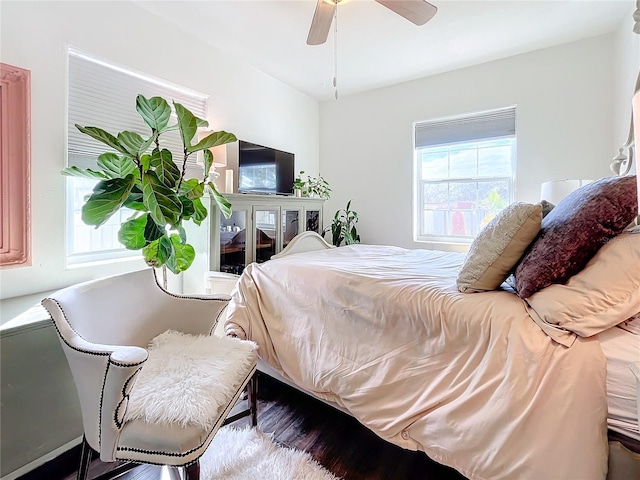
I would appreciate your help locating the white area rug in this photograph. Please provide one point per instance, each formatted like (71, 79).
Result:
(248, 454)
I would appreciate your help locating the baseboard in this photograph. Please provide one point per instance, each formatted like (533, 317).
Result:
(39, 462)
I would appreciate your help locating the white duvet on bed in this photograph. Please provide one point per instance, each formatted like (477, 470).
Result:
(468, 378)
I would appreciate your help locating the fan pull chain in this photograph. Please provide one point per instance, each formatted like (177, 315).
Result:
(335, 52)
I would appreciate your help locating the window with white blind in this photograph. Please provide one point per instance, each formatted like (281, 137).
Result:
(103, 95)
(463, 175)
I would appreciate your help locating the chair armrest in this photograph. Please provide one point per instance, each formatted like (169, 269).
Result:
(103, 375)
(119, 378)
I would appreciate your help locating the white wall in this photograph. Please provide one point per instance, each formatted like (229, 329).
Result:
(564, 98)
(244, 101)
(626, 63)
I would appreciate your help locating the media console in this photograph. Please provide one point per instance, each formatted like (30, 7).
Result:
(260, 226)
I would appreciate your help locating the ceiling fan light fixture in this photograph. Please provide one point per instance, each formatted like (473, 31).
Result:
(336, 2)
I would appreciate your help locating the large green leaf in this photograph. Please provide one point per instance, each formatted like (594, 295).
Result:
(82, 173)
(199, 212)
(182, 255)
(155, 112)
(144, 147)
(208, 162)
(166, 169)
(131, 233)
(106, 199)
(152, 231)
(221, 200)
(116, 166)
(187, 207)
(162, 202)
(145, 162)
(133, 143)
(157, 252)
(104, 137)
(134, 200)
(213, 140)
(187, 124)
(192, 188)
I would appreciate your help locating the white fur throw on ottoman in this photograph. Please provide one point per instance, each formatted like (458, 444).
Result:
(188, 379)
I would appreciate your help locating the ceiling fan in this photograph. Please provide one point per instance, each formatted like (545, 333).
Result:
(418, 12)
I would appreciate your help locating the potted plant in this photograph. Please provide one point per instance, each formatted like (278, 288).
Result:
(343, 227)
(299, 185)
(138, 174)
(318, 187)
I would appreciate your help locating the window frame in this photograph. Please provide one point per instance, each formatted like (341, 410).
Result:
(418, 184)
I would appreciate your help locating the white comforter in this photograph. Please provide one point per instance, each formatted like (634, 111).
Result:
(468, 378)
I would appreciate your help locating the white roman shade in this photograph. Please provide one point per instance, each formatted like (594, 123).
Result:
(103, 95)
(460, 129)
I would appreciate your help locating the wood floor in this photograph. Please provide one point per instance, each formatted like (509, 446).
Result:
(334, 439)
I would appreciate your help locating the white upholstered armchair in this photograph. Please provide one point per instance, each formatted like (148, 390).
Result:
(105, 327)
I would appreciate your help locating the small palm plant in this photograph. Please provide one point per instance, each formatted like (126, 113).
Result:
(138, 174)
(343, 228)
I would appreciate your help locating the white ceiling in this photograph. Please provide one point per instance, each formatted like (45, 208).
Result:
(377, 47)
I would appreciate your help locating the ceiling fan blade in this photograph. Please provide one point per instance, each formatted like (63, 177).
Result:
(321, 23)
(416, 11)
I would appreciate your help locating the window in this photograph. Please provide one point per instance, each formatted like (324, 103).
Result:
(464, 174)
(104, 95)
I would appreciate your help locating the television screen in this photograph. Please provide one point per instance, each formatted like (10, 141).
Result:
(264, 170)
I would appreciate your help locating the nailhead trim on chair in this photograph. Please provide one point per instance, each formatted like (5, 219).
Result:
(125, 396)
(220, 419)
(104, 382)
(104, 354)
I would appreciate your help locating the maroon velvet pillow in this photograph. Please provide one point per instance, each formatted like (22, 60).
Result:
(574, 230)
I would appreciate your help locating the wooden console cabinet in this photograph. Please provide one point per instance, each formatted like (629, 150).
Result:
(260, 226)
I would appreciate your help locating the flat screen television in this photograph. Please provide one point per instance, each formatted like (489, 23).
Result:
(264, 170)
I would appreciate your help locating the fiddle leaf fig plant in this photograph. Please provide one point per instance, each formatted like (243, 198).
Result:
(150, 180)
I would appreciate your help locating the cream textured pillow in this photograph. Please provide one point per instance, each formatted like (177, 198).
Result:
(499, 246)
(605, 293)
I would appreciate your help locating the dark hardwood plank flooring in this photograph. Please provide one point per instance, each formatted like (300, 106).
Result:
(336, 440)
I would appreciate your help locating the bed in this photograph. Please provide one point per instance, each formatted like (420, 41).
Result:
(492, 384)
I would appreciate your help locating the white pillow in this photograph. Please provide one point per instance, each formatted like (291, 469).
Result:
(498, 247)
(188, 379)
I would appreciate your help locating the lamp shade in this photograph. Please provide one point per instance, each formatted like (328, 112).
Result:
(636, 130)
(219, 156)
(556, 190)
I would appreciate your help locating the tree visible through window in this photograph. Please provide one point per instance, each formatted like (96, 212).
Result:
(462, 184)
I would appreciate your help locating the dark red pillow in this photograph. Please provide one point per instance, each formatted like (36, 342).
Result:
(574, 230)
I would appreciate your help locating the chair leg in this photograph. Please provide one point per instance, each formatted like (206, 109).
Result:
(192, 472)
(252, 392)
(85, 459)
